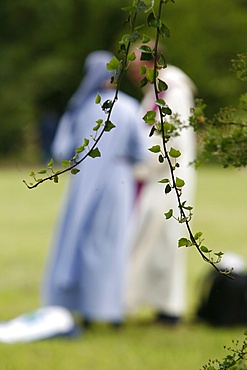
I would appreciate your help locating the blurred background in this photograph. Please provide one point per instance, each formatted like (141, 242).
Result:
(43, 46)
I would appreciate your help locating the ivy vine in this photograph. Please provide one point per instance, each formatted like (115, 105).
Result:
(167, 125)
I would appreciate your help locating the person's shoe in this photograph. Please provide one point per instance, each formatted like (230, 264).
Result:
(88, 324)
(162, 318)
(117, 325)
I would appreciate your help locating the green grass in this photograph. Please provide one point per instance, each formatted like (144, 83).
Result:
(27, 219)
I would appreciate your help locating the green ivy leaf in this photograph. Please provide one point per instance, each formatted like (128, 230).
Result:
(107, 105)
(197, 235)
(144, 82)
(152, 131)
(219, 254)
(145, 49)
(162, 86)
(168, 189)
(184, 242)
(161, 103)
(86, 142)
(99, 123)
(149, 117)
(155, 149)
(135, 36)
(189, 208)
(174, 153)
(146, 56)
(139, 27)
(127, 8)
(168, 127)
(153, 21)
(66, 163)
(169, 214)
(143, 70)
(164, 181)
(150, 75)
(80, 149)
(161, 158)
(204, 249)
(74, 171)
(145, 39)
(131, 57)
(113, 65)
(182, 220)
(42, 172)
(109, 126)
(167, 110)
(98, 99)
(94, 153)
(179, 182)
(51, 163)
(55, 179)
(146, 52)
(164, 31)
(162, 61)
(143, 7)
(125, 39)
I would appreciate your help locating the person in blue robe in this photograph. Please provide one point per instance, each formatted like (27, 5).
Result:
(87, 266)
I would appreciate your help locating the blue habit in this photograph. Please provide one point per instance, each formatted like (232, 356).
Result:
(87, 266)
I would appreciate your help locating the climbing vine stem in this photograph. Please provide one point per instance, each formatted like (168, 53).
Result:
(164, 127)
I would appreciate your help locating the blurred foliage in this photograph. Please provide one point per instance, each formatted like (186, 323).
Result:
(223, 138)
(43, 46)
(203, 43)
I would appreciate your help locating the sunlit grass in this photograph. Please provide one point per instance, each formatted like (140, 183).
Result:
(27, 219)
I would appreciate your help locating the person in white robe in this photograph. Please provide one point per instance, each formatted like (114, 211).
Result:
(157, 271)
(87, 267)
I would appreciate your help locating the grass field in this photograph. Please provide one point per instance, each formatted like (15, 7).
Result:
(27, 219)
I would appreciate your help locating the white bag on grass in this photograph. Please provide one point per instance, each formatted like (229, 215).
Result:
(43, 323)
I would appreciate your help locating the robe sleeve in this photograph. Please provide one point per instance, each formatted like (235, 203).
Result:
(63, 143)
